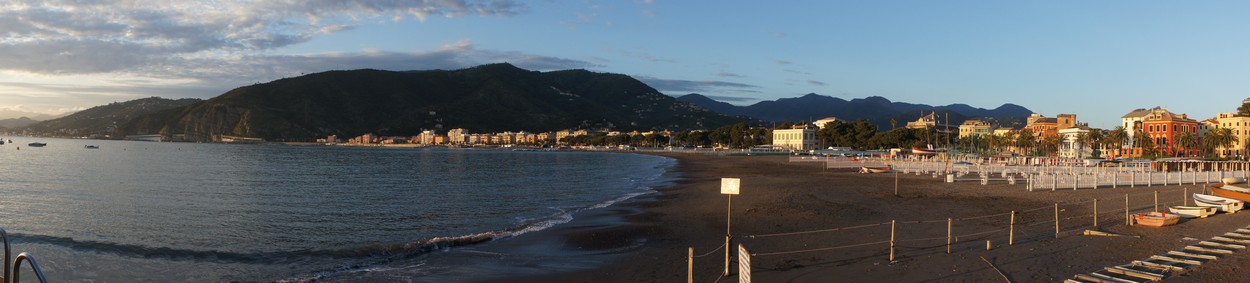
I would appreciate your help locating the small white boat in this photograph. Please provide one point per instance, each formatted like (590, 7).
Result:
(1233, 180)
(1227, 205)
(1156, 219)
(1192, 211)
(92, 147)
(868, 170)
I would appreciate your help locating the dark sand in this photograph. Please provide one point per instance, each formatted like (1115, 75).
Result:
(778, 197)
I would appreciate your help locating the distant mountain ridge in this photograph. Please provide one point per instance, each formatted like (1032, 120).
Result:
(487, 98)
(875, 109)
(105, 119)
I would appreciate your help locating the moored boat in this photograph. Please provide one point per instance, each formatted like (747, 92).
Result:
(874, 169)
(90, 146)
(1232, 192)
(1192, 211)
(36, 144)
(923, 151)
(1156, 219)
(1227, 205)
(1233, 180)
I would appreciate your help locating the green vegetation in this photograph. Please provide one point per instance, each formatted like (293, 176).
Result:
(487, 98)
(105, 120)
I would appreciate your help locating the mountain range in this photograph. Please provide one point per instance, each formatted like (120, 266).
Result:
(487, 98)
(105, 119)
(875, 109)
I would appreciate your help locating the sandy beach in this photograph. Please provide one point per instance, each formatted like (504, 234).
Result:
(803, 200)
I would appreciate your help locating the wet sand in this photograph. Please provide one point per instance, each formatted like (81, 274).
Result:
(781, 197)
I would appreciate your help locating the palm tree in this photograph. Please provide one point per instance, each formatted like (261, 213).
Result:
(1186, 141)
(1093, 139)
(1050, 144)
(1147, 145)
(1221, 138)
(1025, 140)
(1116, 137)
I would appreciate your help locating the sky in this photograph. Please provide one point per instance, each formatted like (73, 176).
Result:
(1096, 59)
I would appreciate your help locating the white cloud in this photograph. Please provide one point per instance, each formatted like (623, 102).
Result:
(133, 36)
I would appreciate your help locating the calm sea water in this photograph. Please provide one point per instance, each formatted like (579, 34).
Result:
(173, 212)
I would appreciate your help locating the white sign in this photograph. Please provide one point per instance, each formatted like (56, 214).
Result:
(744, 265)
(729, 186)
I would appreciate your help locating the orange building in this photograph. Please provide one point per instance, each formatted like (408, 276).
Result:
(1165, 127)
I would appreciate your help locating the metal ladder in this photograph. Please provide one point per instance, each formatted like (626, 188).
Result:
(13, 268)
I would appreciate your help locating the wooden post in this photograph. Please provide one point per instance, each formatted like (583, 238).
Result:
(1011, 234)
(690, 265)
(949, 224)
(1056, 220)
(727, 248)
(1156, 201)
(1095, 212)
(896, 183)
(892, 222)
(1128, 219)
(1185, 198)
(1132, 179)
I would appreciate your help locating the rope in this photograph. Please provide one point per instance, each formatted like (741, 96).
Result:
(821, 249)
(817, 231)
(986, 216)
(713, 251)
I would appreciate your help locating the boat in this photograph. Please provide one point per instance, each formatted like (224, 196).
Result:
(36, 144)
(1156, 219)
(874, 169)
(1227, 205)
(1233, 180)
(1229, 191)
(1192, 211)
(90, 146)
(923, 151)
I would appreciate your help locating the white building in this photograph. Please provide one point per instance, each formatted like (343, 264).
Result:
(821, 123)
(1131, 122)
(802, 138)
(1071, 146)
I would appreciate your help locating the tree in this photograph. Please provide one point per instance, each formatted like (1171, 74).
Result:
(1025, 140)
(1243, 110)
(1147, 145)
(1220, 138)
(893, 123)
(1116, 137)
(1050, 144)
(1186, 141)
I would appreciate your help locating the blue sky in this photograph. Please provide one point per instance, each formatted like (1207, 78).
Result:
(1097, 59)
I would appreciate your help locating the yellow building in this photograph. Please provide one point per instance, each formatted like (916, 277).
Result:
(798, 138)
(1240, 125)
(974, 128)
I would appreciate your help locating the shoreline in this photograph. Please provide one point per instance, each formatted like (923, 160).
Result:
(778, 196)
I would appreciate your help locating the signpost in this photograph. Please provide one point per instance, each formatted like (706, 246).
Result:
(728, 187)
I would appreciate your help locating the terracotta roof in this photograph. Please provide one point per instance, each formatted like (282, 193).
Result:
(1137, 113)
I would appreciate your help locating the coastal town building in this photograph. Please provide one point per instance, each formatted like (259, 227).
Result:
(975, 128)
(1240, 127)
(1041, 125)
(1071, 145)
(797, 138)
(1132, 123)
(820, 124)
(1165, 128)
(924, 122)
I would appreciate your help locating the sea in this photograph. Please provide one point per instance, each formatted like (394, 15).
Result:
(134, 211)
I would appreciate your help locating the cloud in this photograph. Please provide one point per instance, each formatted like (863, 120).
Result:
(816, 82)
(664, 85)
(646, 57)
(779, 35)
(86, 37)
(783, 62)
(729, 75)
(793, 71)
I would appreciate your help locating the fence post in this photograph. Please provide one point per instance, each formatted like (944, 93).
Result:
(949, 225)
(1095, 213)
(690, 265)
(727, 249)
(1011, 234)
(1128, 220)
(1054, 182)
(1132, 181)
(892, 240)
(1115, 178)
(1185, 197)
(1076, 181)
(1056, 220)
(896, 183)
